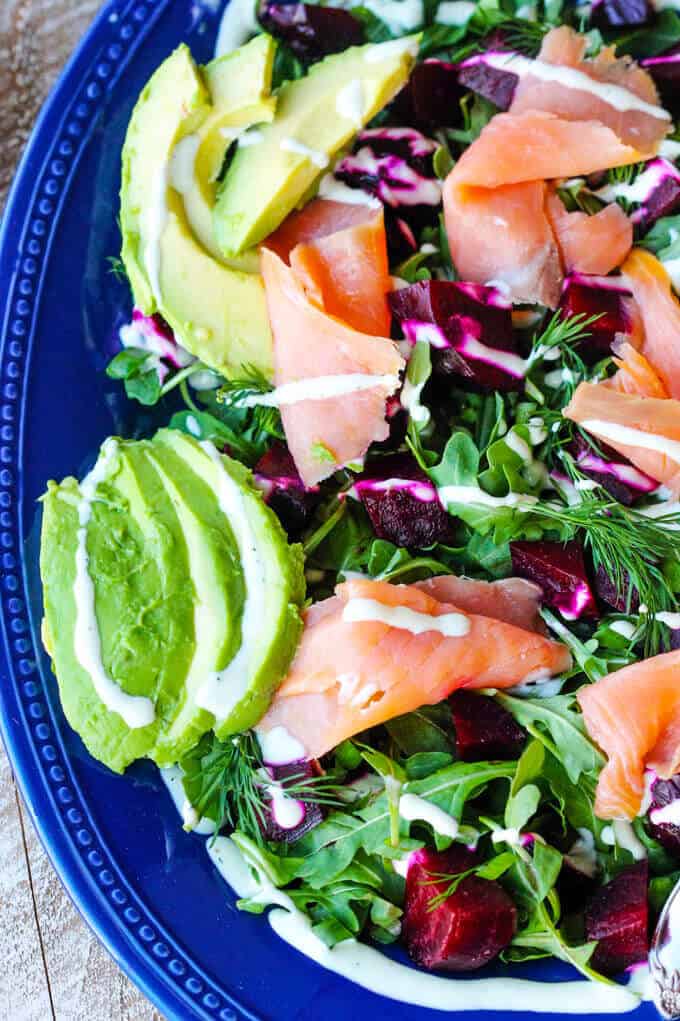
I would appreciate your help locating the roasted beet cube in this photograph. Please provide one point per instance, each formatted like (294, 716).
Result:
(591, 296)
(484, 729)
(620, 13)
(402, 503)
(665, 70)
(662, 200)
(283, 489)
(468, 326)
(495, 84)
(431, 97)
(664, 812)
(617, 917)
(288, 817)
(612, 471)
(617, 592)
(560, 570)
(465, 931)
(311, 31)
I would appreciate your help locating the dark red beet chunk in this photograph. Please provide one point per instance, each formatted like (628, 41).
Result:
(589, 296)
(469, 928)
(617, 593)
(430, 99)
(560, 570)
(283, 488)
(612, 471)
(495, 84)
(312, 32)
(663, 200)
(617, 917)
(461, 312)
(665, 70)
(311, 814)
(484, 729)
(408, 511)
(665, 792)
(620, 13)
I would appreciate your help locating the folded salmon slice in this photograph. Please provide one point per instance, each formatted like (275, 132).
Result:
(351, 674)
(646, 430)
(660, 311)
(635, 374)
(311, 345)
(640, 124)
(339, 254)
(590, 244)
(634, 716)
(512, 600)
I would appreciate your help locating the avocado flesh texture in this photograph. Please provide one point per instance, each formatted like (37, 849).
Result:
(282, 585)
(218, 313)
(265, 182)
(144, 611)
(239, 85)
(169, 597)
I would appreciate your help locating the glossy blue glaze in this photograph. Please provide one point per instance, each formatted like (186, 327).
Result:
(147, 888)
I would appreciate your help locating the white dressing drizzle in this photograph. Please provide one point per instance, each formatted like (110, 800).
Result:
(279, 747)
(172, 778)
(454, 12)
(360, 610)
(337, 191)
(320, 388)
(669, 814)
(399, 15)
(616, 96)
(671, 620)
(223, 690)
(413, 808)
(136, 710)
(288, 812)
(319, 159)
(375, 971)
(625, 628)
(622, 833)
(349, 102)
(237, 25)
(633, 437)
(669, 149)
(474, 494)
(640, 188)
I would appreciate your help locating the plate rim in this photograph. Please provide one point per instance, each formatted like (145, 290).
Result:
(123, 924)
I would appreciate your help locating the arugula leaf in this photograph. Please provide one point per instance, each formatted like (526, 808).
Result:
(555, 722)
(427, 729)
(525, 795)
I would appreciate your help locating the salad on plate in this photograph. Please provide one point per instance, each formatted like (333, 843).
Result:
(391, 596)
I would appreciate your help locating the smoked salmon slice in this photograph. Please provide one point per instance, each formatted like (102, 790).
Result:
(339, 254)
(354, 670)
(512, 600)
(327, 432)
(646, 430)
(660, 311)
(634, 716)
(640, 121)
(590, 244)
(635, 375)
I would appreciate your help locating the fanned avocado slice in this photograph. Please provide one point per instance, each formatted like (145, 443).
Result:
(316, 116)
(168, 576)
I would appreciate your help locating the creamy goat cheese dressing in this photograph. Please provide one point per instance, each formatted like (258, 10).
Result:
(320, 388)
(288, 812)
(669, 149)
(671, 620)
(279, 747)
(136, 710)
(391, 49)
(337, 191)
(373, 970)
(172, 778)
(319, 159)
(616, 96)
(640, 188)
(224, 689)
(413, 808)
(669, 814)
(454, 12)
(360, 610)
(625, 628)
(399, 15)
(349, 102)
(633, 437)
(474, 494)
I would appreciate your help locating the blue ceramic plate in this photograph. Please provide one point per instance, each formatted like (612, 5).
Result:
(147, 889)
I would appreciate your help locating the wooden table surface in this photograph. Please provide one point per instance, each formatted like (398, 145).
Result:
(51, 965)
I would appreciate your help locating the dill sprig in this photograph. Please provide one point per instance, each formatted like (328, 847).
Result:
(241, 395)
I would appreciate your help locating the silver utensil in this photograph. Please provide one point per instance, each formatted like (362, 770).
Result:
(664, 958)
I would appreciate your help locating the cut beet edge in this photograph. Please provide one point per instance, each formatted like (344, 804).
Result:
(287, 818)
(402, 503)
(612, 471)
(606, 14)
(469, 328)
(618, 593)
(601, 296)
(484, 729)
(312, 32)
(469, 928)
(665, 70)
(617, 917)
(664, 813)
(431, 97)
(481, 74)
(560, 570)
(279, 481)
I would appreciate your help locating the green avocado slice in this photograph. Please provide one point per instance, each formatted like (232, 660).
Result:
(316, 116)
